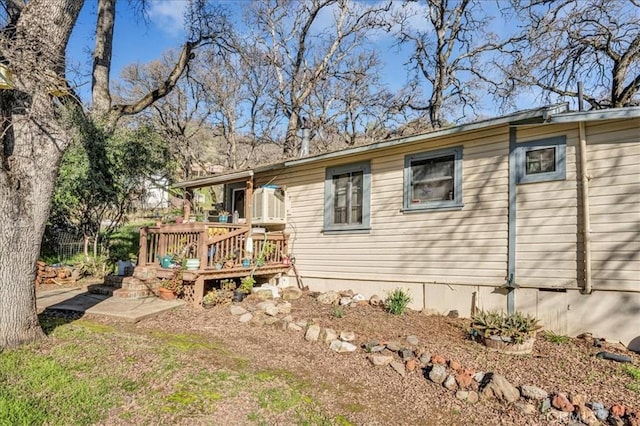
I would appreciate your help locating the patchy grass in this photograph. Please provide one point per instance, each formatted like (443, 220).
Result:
(558, 339)
(634, 373)
(89, 372)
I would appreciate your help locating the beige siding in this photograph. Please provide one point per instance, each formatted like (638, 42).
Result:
(547, 222)
(468, 246)
(614, 165)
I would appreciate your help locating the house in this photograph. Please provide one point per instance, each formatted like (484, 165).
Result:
(536, 211)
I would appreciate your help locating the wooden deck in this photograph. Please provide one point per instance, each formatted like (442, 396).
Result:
(220, 248)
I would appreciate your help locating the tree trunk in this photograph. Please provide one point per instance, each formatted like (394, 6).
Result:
(33, 142)
(26, 186)
(291, 137)
(102, 56)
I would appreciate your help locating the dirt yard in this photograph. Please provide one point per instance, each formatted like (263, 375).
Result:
(349, 386)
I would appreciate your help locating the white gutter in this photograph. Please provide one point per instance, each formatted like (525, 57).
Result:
(586, 219)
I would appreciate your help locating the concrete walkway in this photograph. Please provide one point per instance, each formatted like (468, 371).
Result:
(80, 300)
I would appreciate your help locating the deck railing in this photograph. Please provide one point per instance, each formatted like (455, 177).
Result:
(217, 245)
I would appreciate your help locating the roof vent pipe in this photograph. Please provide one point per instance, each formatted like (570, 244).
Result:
(304, 146)
(580, 96)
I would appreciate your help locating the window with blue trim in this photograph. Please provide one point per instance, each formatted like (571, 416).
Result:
(433, 180)
(541, 160)
(347, 197)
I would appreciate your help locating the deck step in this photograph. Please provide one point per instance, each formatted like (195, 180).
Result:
(103, 289)
(122, 293)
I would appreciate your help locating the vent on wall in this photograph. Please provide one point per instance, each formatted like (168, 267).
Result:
(269, 207)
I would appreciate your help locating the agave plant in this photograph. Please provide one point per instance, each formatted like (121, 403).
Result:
(515, 327)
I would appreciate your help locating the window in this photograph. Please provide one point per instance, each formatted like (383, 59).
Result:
(347, 193)
(541, 160)
(433, 180)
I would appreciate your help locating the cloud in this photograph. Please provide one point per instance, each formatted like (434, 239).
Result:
(168, 15)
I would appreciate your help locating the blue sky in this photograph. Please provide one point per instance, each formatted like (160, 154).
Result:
(138, 41)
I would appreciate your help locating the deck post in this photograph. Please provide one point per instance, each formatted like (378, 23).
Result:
(202, 249)
(198, 290)
(142, 256)
(162, 244)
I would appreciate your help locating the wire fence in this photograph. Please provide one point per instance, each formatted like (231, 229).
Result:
(68, 245)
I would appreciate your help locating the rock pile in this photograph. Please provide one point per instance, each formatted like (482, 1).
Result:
(405, 356)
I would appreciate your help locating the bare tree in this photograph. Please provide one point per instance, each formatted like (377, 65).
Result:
(307, 43)
(180, 118)
(38, 117)
(567, 41)
(447, 52)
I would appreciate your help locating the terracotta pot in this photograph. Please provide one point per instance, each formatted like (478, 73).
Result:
(166, 294)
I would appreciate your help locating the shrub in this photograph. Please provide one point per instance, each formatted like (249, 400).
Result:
(397, 301)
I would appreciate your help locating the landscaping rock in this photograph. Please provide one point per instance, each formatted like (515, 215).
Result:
(412, 340)
(411, 365)
(378, 348)
(272, 311)
(263, 306)
(453, 314)
(342, 347)
(425, 358)
(615, 421)
(462, 395)
(293, 326)
(525, 407)
(450, 382)
(329, 335)
(498, 387)
(617, 410)
(345, 301)
(259, 318)
(454, 365)
(437, 359)
(284, 308)
(464, 378)
(533, 392)
(380, 360)
(545, 405)
(262, 294)
(562, 403)
(438, 373)
(586, 416)
(245, 317)
(393, 346)
(358, 298)
(237, 310)
(398, 367)
(473, 397)
(406, 354)
(271, 320)
(577, 399)
(375, 300)
(313, 333)
(560, 416)
(291, 293)
(328, 298)
(347, 336)
(598, 409)
(479, 376)
(370, 344)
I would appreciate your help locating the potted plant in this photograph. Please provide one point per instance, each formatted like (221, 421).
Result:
(246, 285)
(223, 216)
(173, 287)
(508, 333)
